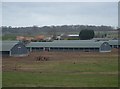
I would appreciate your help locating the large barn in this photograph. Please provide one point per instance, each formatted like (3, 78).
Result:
(16, 48)
(13, 48)
(70, 45)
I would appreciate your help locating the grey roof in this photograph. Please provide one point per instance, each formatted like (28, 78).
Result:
(7, 45)
(114, 42)
(67, 43)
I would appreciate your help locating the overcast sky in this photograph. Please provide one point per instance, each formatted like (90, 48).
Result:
(42, 14)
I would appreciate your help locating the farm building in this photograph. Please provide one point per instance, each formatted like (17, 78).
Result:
(70, 45)
(114, 43)
(73, 36)
(13, 48)
(101, 39)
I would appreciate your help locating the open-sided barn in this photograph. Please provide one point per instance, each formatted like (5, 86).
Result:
(13, 48)
(16, 48)
(70, 45)
(114, 43)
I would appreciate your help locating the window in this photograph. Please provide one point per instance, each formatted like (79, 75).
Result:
(19, 47)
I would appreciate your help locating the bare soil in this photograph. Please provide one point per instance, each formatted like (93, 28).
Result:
(26, 63)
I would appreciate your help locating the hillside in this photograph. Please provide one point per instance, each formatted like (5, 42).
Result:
(48, 30)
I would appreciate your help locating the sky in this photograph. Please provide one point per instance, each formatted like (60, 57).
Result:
(60, 0)
(20, 14)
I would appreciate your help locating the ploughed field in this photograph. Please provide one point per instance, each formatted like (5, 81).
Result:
(61, 69)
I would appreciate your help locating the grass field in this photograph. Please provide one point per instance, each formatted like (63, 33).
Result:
(63, 69)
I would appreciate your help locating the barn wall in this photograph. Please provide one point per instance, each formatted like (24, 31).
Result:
(105, 47)
(28, 49)
(35, 49)
(63, 49)
(75, 49)
(18, 50)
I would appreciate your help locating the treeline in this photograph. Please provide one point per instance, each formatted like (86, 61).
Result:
(34, 30)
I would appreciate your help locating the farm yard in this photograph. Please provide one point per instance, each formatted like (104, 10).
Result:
(59, 44)
(61, 69)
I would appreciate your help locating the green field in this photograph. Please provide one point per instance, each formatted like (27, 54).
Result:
(17, 79)
(77, 70)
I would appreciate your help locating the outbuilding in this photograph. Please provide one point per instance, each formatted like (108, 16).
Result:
(14, 48)
(114, 43)
(70, 45)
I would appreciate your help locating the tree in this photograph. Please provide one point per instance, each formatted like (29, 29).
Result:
(86, 34)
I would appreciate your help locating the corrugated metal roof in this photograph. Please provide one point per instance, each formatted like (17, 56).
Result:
(7, 45)
(67, 43)
(114, 42)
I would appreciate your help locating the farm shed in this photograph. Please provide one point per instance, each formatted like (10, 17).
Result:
(73, 36)
(114, 43)
(70, 45)
(13, 48)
